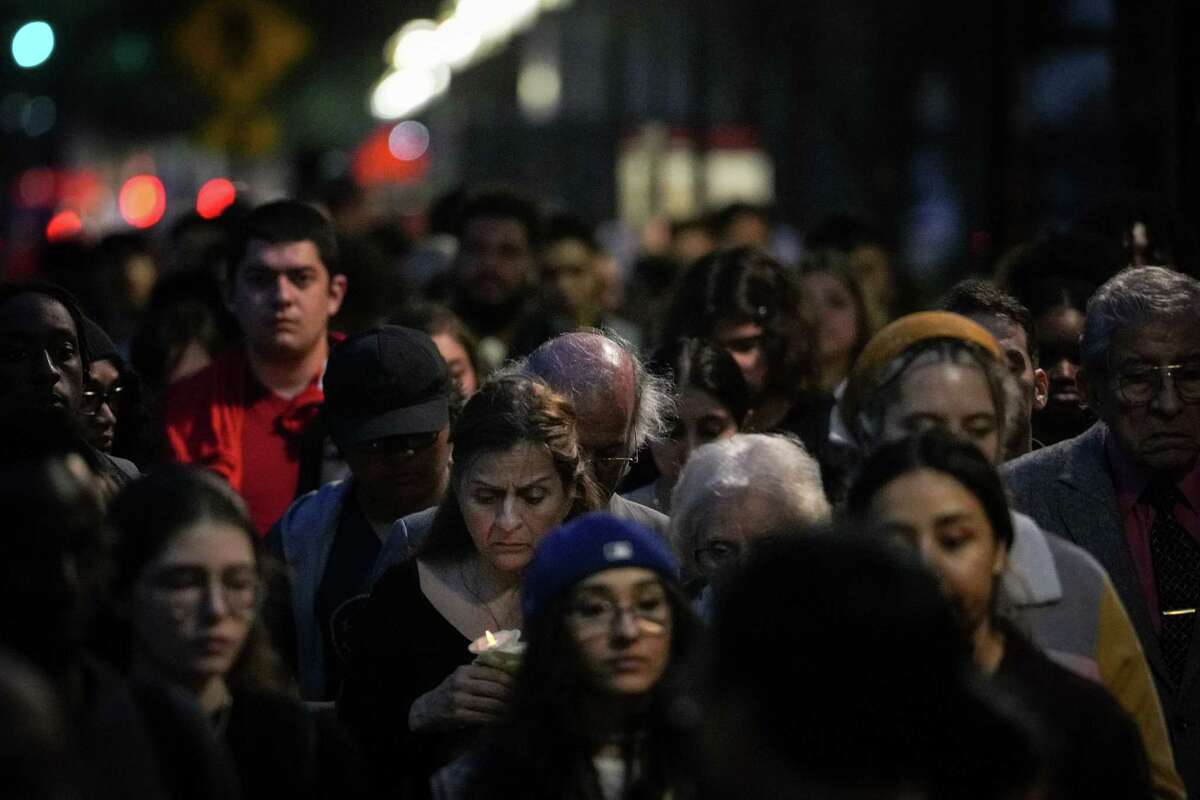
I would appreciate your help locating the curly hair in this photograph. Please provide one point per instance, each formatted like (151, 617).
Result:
(743, 285)
(509, 409)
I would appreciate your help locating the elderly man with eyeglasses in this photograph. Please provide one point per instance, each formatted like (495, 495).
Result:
(1128, 489)
(389, 401)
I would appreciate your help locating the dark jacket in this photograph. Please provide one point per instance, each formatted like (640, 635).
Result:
(1067, 488)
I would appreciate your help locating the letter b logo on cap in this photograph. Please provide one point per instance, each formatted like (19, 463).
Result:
(618, 551)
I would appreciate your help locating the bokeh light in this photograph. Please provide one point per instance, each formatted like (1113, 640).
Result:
(142, 201)
(417, 45)
(38, 116)
(64, 225)
(423, 55)
(408, 90)
(214, 197)
(35, 188)
(409, 140)
(539, 90)
(32, 44)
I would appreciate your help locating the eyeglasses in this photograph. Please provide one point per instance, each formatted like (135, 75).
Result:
(614, 461)
(405, 443)
(1138, 386)
(596, 617)
(717, 555)
(93, 399)
(186, 589)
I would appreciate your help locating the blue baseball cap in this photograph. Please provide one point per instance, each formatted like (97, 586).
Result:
(589, 544)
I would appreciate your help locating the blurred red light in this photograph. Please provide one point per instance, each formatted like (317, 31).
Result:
(63, 225)
(214, 197)
(35, 187)
(82, 190)
(374, 164)
(142, 201)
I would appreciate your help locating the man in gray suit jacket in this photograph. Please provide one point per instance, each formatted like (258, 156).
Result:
(1128, 489)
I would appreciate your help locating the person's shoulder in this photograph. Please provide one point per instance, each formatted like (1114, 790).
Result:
(1053, 458)
(401, 578)
(203, 386)
(318, 498)
(646, 496)
(404, 539)
(228, 359)
(1066, 554)
(309, 518)
(1053, 685)
(126, 467)
(1036, 461)
(636, 512)
(418, 520)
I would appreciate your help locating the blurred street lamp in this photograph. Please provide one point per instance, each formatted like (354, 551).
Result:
(408, 90)
(423, 54)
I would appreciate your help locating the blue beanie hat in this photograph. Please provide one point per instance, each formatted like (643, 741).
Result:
(587, 545)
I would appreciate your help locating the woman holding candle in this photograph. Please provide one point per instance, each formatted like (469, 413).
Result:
(413, 694)
(941, 496)
(594, 707)
(189, 588)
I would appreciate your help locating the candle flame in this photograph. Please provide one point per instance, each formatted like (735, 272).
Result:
(491, 640)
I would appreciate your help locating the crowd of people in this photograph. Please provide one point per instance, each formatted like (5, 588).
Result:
(298, 507)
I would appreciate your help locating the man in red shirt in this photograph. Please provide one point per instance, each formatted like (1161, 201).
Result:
(248, 416)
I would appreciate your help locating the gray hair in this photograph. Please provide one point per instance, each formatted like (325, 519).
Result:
(775, 465)
(1005, 391)
(654, 395)
(1132, 298)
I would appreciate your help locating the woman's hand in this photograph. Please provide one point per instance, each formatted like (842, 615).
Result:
(471, 695)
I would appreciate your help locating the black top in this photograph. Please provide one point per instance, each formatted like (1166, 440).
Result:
(403, 648)
(808, 418)
(347, 574)
(142, 738)
(1092, 747)
(282, 749)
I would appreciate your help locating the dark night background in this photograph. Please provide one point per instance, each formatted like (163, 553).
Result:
(961, 128)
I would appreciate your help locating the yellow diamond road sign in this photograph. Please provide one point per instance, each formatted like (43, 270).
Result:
(240, 48)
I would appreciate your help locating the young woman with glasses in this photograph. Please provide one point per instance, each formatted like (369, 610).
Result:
(595, 709)
(189, 587)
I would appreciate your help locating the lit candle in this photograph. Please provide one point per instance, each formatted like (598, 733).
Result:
(502, 649)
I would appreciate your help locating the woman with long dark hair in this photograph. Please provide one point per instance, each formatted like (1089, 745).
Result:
(749, 304)
(941, 496)
(189, 586)
(713, 404)
(844, 316)
(412, 693)
(746, 302)
(595, 707)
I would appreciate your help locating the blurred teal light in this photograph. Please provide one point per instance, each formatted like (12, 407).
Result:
(32, 44)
